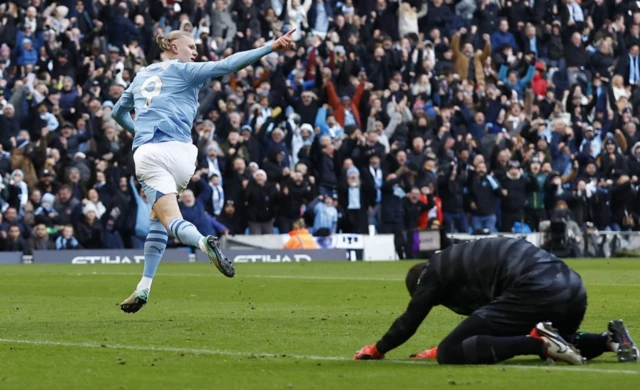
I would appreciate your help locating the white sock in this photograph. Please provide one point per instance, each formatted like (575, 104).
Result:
(613, 346)
(145, 282)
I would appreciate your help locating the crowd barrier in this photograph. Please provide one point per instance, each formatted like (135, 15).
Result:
(339, 247)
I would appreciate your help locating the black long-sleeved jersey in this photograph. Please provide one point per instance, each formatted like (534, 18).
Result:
(468, 276)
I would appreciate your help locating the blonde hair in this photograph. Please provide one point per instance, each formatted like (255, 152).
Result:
(165, 42)
(298, 224)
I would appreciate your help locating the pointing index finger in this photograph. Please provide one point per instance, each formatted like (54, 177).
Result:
(290, 33)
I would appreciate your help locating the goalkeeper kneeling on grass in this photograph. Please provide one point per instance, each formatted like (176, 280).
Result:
(519, 299)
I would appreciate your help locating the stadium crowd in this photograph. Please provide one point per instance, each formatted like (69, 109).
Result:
(478, 115)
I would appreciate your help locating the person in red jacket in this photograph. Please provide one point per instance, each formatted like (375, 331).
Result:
(432, 214)
(539, 83)
(346, 110)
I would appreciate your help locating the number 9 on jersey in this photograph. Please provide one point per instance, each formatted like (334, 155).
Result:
(150, 94)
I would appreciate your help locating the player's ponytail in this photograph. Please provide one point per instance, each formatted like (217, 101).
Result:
(165, 42)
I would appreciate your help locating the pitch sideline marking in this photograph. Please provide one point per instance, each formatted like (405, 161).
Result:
(308, 277)
(293, 356)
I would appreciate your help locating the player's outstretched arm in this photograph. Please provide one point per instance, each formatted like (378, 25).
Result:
(201, 72)
(121, 111)
(404, 326)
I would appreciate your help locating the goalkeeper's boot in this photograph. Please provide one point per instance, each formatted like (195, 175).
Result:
(555, 347)
(621, 343)
(210, 246)
(135, 301)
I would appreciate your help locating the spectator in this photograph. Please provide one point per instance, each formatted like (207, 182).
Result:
(232, 220)
(32, 205)
(392, 209)
(325, 222)
(483, 193)
(11, 219)
(346, 110)
(408, 16)
(28, 55)
(260, 202)
(222, 23)
(192, 210)
(47, 183)
(353, 196)
(93, 199)
(577, 58)
(123, 29)
(511, 80)
(14, 241)
(18, 191)
(66, 240)
(296, 17)
(413, 208)
(66, 206)
(535, 211)
(296, 192)
(233, 146)
(515, 186)
(326, 161)
(46, 213)
(373, 178)
(450, 188)
(300, 237)
(89, 232)
(39, 240)
(503, 37)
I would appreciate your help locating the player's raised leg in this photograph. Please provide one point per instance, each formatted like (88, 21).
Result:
(168, 212)
(154, 248)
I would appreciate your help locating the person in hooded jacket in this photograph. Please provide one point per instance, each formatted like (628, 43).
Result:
(276, 168)
(612, 163)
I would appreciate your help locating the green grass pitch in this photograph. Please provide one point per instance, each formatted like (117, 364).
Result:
(274, 326)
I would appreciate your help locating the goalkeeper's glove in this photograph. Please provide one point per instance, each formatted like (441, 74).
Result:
(428, 354)
(368, 352)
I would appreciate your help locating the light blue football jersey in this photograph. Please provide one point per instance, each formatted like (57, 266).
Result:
(165, 96)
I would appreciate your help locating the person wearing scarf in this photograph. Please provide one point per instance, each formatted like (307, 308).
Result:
(373, 175)
(353, 200)
(67, 240)
(212, 162)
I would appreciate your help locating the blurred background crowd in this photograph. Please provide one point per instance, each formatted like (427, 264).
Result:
(474, 115)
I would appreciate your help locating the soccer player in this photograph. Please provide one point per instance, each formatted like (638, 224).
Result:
(512, 292)
(165, 98)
